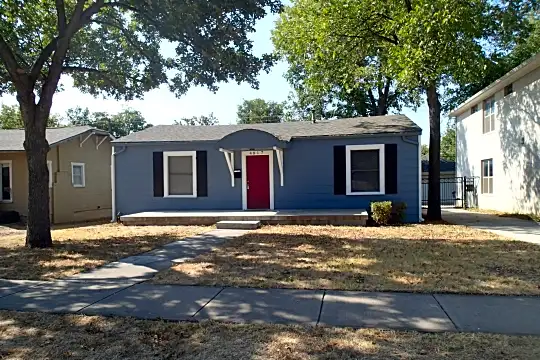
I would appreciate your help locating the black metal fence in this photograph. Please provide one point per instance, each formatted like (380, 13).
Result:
(458, 191)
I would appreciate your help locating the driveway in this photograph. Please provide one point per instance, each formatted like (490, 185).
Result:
(523, 230)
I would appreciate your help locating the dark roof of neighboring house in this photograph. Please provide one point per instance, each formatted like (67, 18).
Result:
(12, 140)
(392, 124)
(446, 166)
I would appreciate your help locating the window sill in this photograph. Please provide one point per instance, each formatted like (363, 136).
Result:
(6, 202)
(180, 196)
(364, 193)
(79, 186)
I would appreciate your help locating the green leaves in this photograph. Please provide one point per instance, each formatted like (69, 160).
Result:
(260, 111)
(120, 124)
(117, 51)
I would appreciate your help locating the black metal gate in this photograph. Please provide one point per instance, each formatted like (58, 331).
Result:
(458, 191)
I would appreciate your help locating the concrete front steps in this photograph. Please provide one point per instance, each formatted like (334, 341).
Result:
(239, 225)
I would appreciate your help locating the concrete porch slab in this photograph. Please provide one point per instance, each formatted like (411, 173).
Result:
(147, 301)
(493, 314)
(384, 310)
(264, 306)
(313, 217)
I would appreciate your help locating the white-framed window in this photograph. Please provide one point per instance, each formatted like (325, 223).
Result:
(365, 169)
(489, 115)
(49, 167)
(487, 176)
(78, 174)
(180, 174)
(6, 181)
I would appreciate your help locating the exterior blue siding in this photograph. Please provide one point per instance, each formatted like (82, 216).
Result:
(308, 177)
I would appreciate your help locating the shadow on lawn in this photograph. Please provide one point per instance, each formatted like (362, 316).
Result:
(309, 261)
(71, 256)
(38, 336)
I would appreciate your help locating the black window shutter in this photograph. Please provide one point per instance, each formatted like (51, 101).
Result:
(340, 172)
(390, 168)
(158, 174)
(202, 174)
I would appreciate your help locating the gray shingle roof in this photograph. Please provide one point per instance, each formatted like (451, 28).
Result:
(12, 140)
(392, 124)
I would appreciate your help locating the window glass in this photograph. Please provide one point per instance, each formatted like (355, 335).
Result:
(489, 115)
(5, 182)
(487, 177)
(365, 171)
(180, 175)
(77, 175)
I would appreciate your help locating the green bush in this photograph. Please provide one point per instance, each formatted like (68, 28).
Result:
(398, 212)
(381, 212)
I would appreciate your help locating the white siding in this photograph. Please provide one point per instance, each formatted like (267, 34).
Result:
(514, 147)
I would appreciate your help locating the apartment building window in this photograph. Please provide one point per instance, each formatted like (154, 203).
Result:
(508, 89)
(474, 109)
(487, 176)
(489, 115)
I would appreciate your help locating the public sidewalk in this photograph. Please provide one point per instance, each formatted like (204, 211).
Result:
(119, 289)
(518, 229)
(422, 312)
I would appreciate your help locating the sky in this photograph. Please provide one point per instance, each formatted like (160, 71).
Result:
(160, 106)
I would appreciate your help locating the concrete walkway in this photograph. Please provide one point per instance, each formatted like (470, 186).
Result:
(423, 312)
(523, 230)
(119, 289)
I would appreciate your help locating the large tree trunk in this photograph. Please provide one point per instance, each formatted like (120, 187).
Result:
(434, 186)
(35, 143)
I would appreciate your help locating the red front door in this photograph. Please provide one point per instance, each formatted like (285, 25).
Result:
(258, 181)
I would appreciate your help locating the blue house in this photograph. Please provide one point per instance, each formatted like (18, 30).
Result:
(335, 164)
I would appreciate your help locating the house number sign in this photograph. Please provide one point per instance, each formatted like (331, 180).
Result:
(256, 152)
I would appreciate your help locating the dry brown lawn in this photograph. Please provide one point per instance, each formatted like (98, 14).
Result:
(417, 258)
(45, 336)
(82, 248)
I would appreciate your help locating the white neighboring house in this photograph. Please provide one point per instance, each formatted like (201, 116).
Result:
(498, 140)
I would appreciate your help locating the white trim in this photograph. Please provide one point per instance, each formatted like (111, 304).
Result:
(229, 158)
(113, 186)
(86, 138)
(49, 167)
(279, 156)
(420, 218)
(10, 165)
(518, 72)
(348, 150)
(166, 155)
(83, 173)
(245, 154)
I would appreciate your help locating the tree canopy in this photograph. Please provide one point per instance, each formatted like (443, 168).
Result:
(114, 48)
(202, 120)
(121, 124)
(10, 118)
(260, 111)
(422, 45)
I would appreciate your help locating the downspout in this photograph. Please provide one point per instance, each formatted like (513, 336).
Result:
(419, 144)
(113, 181)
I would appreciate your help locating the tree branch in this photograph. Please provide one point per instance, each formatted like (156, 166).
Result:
(61, 14)
(43, 57)
(8, 58)
(408, 5)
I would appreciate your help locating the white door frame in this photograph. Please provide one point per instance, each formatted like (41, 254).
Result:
(245, 154)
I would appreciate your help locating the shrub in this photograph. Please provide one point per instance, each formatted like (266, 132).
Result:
(398, 212)
(381, 212)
